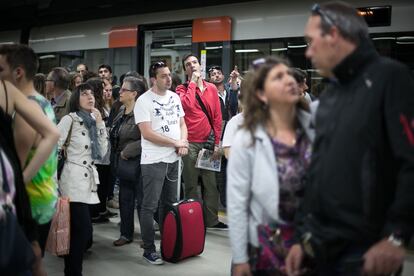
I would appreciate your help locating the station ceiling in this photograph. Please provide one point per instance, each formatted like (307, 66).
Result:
(21, 14)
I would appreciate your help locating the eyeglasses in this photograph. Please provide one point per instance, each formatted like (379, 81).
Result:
(316, 9)
(122, 90)
(49, 80)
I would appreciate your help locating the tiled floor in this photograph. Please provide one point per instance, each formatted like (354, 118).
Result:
(105, 259)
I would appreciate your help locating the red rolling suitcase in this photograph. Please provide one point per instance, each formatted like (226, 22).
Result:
(183, 233)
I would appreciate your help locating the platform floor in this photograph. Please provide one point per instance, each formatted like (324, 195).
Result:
(106, 260)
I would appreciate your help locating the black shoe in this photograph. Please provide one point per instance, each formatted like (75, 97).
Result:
(219, 226)
(100, 219)
(108, 214)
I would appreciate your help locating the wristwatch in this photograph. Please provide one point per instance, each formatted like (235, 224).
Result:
(395, 240)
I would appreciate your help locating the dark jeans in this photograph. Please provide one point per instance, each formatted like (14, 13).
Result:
(159, 183)
(80, 233)
(349, 263)
(105, 178)
(130, 197)
(221, 179)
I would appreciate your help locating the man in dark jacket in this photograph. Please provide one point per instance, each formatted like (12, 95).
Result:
(358, 208)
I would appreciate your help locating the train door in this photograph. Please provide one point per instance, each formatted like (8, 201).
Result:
(166, 43)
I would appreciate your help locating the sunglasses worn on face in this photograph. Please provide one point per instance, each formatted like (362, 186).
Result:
(122, 90)
(316, 9)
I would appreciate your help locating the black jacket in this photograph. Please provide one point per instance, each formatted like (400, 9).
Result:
(361, 178)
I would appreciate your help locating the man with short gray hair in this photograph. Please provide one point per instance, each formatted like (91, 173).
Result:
(57, 83)
(358, 209)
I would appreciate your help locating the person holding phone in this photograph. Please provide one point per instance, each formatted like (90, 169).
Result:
(87, 137)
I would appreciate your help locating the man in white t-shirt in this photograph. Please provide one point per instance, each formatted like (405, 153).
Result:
(160, 118)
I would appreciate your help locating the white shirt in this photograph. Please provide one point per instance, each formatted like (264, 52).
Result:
(231, 128)
(222, 97)
(164, 113)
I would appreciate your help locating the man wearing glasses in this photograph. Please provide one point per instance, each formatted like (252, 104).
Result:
(160, 118)
(57, 83)
(200, 123)
(358, 209)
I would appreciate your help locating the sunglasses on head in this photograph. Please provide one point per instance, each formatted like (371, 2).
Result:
(257, 63)
(215, 67)
(158, 64)
(316, 9)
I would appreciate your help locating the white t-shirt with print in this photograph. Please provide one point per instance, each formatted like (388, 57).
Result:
(164, 113)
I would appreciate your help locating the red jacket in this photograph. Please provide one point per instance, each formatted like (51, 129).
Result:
(197, 122)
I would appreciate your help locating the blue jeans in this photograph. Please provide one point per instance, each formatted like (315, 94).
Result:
(130, 197)
(159, 183)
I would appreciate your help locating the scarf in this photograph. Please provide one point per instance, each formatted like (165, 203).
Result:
(90, 125)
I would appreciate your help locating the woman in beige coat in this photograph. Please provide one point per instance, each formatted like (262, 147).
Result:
(86, 133)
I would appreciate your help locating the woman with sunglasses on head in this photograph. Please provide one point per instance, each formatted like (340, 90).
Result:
(87, 138)
(126, 148)
(267, 166)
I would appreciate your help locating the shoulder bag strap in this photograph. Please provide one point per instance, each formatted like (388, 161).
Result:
(203, 107)
(67, 141)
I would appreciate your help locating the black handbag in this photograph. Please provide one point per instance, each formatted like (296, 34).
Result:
(62, 152)
(209, 144)
(16, 253)
(128, 169)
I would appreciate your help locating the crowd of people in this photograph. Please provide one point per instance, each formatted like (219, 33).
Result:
(311, 186)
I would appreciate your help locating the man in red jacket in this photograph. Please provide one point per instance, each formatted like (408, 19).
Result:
(199, 125)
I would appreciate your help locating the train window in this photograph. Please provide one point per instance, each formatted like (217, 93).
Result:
(214, 53)
(124, 60)
(244, 52)
(169, 45)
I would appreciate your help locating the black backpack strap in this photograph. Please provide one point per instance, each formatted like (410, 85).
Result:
(203, 107)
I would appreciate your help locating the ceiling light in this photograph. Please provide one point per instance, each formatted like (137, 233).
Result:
(247, 51)
(279, 49)
(175, 45)
(402, 38)
(297, 46)
(47, 56)
(214, 47)
(384, 38)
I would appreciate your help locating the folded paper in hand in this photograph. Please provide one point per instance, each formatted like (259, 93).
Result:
(206, 162)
